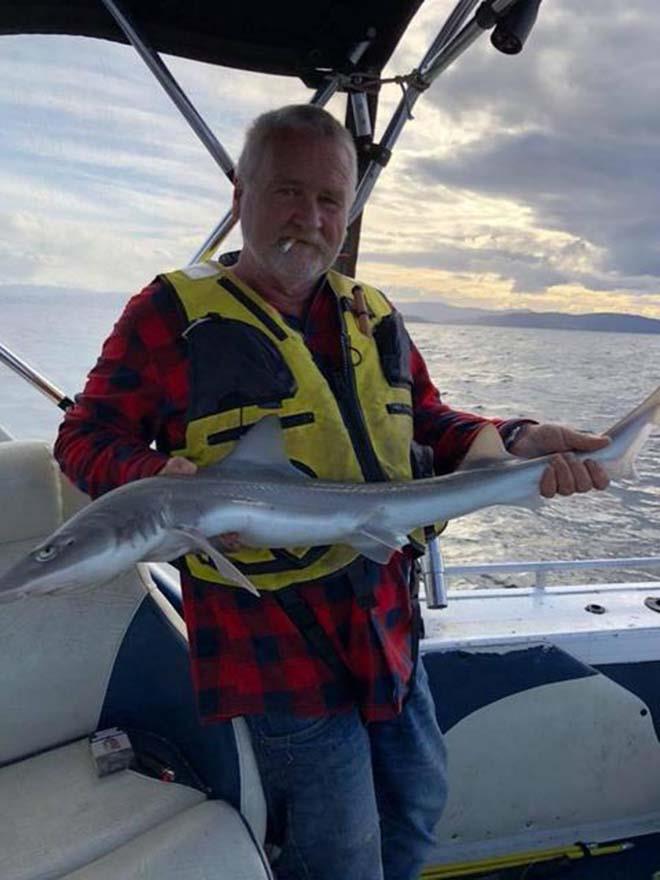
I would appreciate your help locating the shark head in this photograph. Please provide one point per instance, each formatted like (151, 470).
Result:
(69, 558)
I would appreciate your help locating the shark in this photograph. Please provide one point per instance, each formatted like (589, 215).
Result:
(257, 493)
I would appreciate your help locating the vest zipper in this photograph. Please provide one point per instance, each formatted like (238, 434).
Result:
(351, 412)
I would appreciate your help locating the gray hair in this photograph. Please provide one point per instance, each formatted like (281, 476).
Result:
(294, 117)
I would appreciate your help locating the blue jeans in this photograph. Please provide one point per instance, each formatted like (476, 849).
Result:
(353, 802)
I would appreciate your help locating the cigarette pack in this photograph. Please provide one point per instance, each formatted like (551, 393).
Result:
(111, 750)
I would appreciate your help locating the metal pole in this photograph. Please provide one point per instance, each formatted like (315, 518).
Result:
(547, 566)
(172, 88)
(541, 580)
(361, 110)
(453, 23)
(435, 586)
(323, 94)
(433, 64)
(25, 371)
(217, 235)
(436, 63)
(224, 227)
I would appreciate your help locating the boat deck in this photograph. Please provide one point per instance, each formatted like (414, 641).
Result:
(594, 622)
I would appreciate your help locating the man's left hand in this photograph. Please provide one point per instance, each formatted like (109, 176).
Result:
(566, 473)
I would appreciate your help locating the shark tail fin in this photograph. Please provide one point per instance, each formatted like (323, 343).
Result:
(632, 432)
(648, 410)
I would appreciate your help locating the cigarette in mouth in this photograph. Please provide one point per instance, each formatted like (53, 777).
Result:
(286, 244)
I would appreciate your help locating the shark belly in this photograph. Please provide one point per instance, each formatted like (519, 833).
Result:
(281, 524)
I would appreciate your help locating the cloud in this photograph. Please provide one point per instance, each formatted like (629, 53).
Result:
(522, 180)
(568, 134)
(103, 183)
(595, 191)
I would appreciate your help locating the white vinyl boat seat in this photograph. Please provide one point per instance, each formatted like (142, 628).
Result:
(191, 805)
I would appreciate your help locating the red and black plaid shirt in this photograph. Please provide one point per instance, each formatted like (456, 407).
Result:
(247, 656)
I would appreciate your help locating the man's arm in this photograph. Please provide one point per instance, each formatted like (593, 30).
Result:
(451, 432)
(131, 397)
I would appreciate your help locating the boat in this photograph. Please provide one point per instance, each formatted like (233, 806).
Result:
(549, 695)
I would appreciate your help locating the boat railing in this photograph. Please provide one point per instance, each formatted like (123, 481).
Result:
(436, 573)
(17, 365)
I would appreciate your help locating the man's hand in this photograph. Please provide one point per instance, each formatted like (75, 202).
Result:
(228, 542)
(566, 473)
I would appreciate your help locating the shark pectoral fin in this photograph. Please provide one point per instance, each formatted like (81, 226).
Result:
(173, 545)
(383, 536)
(369, 548)
(224, 566)
(485, 450)
(377, 543)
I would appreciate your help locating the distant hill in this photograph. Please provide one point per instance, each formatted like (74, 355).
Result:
(439, 312)
(434, 312)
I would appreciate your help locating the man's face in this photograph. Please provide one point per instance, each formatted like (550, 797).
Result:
(302, 190)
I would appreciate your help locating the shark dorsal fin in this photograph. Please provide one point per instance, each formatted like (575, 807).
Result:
(260, 451)
(485, 450)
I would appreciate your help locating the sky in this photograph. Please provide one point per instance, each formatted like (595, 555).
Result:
(523, 182)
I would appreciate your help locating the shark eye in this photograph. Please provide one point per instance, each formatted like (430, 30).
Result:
(46, 553)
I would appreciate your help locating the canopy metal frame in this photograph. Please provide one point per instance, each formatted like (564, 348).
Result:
(361, 87)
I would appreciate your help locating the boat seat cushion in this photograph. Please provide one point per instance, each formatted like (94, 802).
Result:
(208, 842)
(106, 655)
(31, 489)
(29, 473)
(59, 819)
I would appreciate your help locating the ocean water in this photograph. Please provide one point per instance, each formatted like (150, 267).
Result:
(584, 379)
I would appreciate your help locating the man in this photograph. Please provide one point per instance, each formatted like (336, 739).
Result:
(322, 664)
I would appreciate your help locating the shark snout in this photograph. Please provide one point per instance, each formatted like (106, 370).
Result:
(21, 580)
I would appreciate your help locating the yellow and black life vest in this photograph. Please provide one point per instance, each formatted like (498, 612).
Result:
(246, 362)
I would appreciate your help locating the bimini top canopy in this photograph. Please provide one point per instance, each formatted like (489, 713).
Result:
(291, 37)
